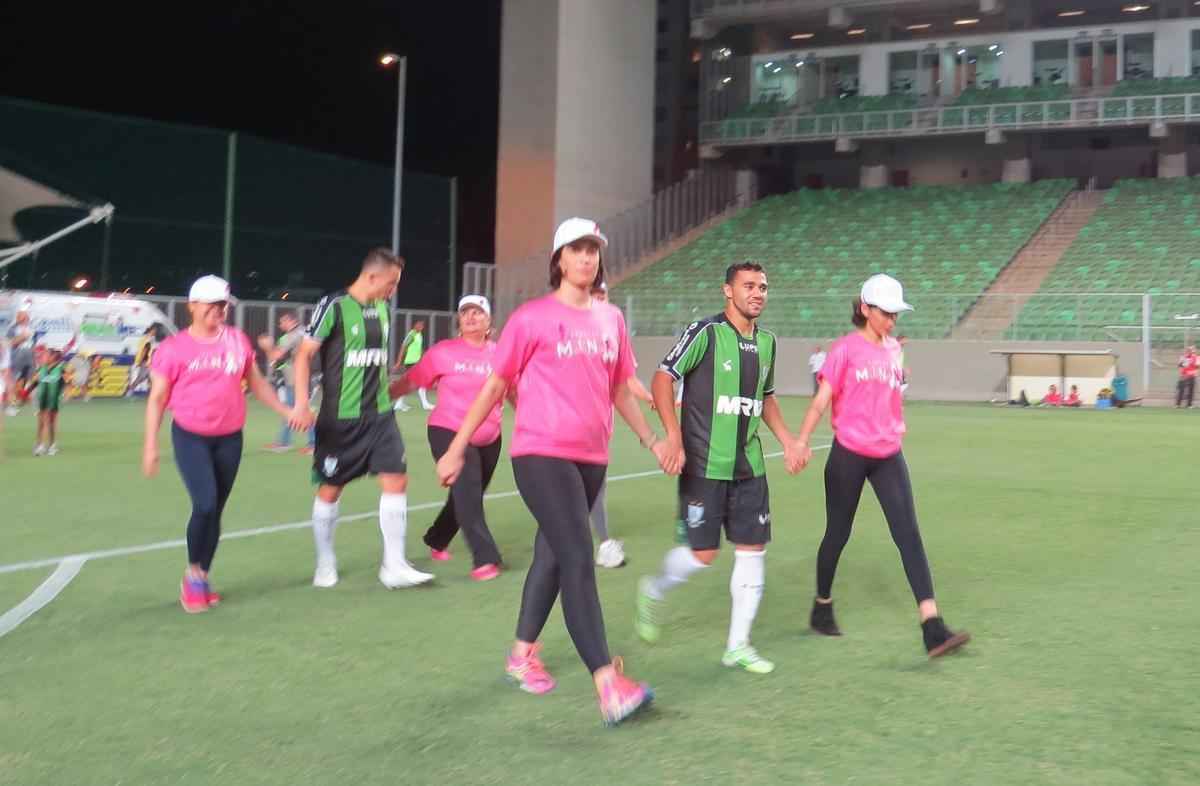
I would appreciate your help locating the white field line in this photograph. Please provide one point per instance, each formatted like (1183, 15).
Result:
(250, 533)
(67, 569)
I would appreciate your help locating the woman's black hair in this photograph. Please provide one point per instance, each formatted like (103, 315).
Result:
(856, 315)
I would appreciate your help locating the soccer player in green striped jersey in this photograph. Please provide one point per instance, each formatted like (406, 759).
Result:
(727, 364)
(356, 430)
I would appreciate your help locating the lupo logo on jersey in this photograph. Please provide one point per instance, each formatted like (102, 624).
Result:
(738, 405)
(364, 358)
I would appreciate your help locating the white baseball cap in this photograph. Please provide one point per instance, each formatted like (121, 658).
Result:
(885, 292)
(577, 229)
(210, 289)
(479, 301)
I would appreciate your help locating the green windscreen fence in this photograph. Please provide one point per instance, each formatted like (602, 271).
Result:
(301, 220)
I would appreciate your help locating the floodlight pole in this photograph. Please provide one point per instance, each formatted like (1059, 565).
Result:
(401, 78)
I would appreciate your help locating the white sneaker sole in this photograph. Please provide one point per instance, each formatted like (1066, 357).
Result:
(403, 580)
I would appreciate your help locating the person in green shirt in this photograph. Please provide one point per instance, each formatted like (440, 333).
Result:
(47, 385)
(410, 353)
(727, 364)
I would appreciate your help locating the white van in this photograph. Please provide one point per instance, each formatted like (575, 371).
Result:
(113, 332)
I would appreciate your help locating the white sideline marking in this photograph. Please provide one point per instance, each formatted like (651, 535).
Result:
(250, 533)
(67, 570)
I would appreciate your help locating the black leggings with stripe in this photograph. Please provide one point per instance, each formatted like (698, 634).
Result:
(559, 494)
(845, 474)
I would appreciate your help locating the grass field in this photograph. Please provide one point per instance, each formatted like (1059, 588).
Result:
(1066, 542)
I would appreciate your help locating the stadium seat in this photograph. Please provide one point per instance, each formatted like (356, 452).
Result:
(1139, 232)
(946, 244)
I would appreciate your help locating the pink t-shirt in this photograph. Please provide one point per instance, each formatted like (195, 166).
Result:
(567, 363)
(458, 370)
(206, 380)
(868, 408)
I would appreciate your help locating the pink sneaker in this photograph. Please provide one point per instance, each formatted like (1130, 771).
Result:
(440, 555)
(193, 595)
(214, 598)
(621, 697)
(485, 572)
(528, 672)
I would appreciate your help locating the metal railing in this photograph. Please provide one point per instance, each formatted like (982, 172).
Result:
(741, 8)
(1067, 113)
(633, 234)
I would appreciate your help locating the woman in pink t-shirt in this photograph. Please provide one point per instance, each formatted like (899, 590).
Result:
(458, 368)
(571, 362)
(863, 378)
(198, 375)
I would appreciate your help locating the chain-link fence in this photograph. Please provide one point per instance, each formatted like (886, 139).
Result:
(258, 318)
(191, 201)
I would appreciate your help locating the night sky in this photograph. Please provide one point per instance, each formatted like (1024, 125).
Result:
(300, 72)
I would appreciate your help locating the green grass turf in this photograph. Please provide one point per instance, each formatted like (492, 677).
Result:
(1066, 542)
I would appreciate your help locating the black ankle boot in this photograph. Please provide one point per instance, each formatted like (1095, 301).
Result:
(939, 639)
(822, 620)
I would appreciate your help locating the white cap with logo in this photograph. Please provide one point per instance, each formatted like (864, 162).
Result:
(210, 289)
(884, 292)
(577, 229)
(479, 301)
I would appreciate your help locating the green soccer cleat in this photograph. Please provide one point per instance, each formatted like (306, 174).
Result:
(648, 613)
(746, 657)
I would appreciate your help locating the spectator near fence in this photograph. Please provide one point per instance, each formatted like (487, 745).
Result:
(1189, 365)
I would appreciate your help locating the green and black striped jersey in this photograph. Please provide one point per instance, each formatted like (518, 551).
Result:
(354, 357)
(726, 377)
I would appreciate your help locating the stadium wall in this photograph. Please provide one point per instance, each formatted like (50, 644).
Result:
(940, 370)
(576, 116)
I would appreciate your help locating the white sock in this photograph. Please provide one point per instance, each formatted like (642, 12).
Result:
(746, 588)
(678, 565)
(324, 519)
(424, 401)
(393, 523)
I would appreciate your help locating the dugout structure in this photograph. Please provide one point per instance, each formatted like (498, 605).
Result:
(1035, 370)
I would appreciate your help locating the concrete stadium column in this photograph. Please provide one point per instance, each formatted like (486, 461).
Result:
(875, 171)
(1018, 163)
(576, 119)
(1172, 151)
(747, 187)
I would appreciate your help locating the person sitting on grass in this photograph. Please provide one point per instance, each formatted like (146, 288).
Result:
(1072, 399)
(1053, 398)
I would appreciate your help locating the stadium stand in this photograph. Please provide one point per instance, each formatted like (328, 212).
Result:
(1145, 238)
(947, 244)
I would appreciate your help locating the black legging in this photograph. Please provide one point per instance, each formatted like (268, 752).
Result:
(845, 472)
(464, 506)
(1185, 391)
(209, 466)
(559, 494)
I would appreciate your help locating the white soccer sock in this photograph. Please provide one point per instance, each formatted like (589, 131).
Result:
(393, 523)
(746, 588)
(324, 519)
(678, 565)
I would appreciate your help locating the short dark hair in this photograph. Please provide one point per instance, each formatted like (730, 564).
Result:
(856, 315)
(556, 271)
(732, 271)
(290, 315)
(381, 257)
